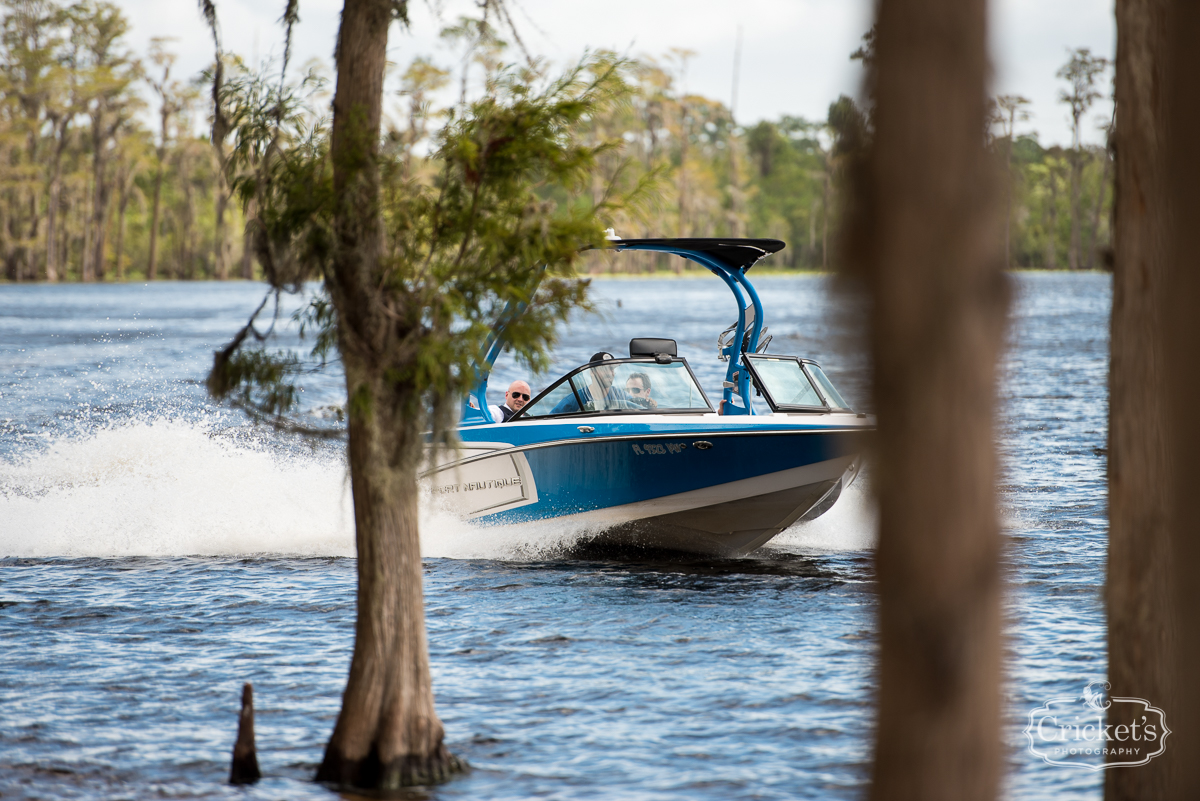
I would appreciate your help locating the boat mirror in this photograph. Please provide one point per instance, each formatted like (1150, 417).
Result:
(648, 346)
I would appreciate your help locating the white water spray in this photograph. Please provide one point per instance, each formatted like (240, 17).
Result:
(165, 488)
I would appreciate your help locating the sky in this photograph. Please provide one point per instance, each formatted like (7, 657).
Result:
(794, 53)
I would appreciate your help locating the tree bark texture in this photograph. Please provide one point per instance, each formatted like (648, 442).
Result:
(1139, 553)
(387, 734)
(928, 238)
(1154, 534)
(1183, 384)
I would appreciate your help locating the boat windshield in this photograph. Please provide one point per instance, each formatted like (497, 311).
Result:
(791, 384)
(623, 385)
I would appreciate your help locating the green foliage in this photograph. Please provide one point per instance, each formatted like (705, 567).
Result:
(258, 380)
(784, 178)
(501, 215)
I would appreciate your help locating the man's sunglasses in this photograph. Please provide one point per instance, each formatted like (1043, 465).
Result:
(519, 395)
(635, 390)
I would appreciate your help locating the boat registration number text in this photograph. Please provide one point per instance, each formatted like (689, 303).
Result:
(655, 449)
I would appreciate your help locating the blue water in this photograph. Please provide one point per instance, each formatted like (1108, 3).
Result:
(156, 551)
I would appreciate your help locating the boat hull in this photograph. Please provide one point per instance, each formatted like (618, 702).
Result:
(706, 488)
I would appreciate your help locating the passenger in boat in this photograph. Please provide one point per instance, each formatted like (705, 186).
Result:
(637, 387)
(599, 393)
(514, 400)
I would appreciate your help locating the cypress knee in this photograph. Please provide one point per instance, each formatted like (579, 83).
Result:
(244, 769)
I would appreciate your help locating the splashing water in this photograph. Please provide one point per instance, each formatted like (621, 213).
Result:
(167, 487)
(171, 488)
(852, 524)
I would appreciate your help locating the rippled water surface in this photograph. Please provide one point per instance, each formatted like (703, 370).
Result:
(156, 552)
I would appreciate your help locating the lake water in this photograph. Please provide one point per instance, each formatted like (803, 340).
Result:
(156, 551)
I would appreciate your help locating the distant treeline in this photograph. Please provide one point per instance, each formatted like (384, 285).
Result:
(89, 192)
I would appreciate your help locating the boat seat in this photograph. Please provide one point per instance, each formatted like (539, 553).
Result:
(649, 346)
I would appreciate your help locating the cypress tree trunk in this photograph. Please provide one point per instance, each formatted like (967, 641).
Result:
(1075, 245)
(53, 201)
(122, 206)
(152, 268)
(102, 193)
(1095, 235)
(87, 268)
(928, 238)
(1154, 534)
(1139, 553)
(221, 230)
(1052, 224)
(1183, 385)
(248, 245)
(387, 734)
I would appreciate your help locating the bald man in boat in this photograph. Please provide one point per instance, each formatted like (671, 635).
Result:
(514, 401)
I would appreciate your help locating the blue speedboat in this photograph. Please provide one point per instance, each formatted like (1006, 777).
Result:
(635, 451)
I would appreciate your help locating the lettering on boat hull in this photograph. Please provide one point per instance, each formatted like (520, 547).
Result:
(474, 486)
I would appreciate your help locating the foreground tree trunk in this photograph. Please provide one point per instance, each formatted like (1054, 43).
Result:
(388, 734)
(1183, 384)
(927, 236)
(1154, 439)
(1139, 553)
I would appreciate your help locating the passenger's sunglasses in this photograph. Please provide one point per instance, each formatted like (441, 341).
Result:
(634, 390)
(519, 395)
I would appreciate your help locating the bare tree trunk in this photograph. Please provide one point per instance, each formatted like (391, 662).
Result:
(1052, 225)
(927, 235)
(100, 208)
(122, 205)
(248, 245)
(685, 207)
(98, 228)
(1183, 387)
(1095, 235)
(30, 262)
(1008, 192)
(1074, 245)
(152, 268)
(388, 733)
(54, 195)
(825, 224)
(87, 270)
(222, 247)
(1138, 538)
(812, 231)
(1153, 436)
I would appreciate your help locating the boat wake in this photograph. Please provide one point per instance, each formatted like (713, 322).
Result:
(170, 487)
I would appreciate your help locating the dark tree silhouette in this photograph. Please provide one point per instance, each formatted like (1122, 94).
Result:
(926, 235)
(1183, 383)
(1154, 436)
(1138, 546)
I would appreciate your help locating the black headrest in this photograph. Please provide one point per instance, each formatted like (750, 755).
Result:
(648, 346)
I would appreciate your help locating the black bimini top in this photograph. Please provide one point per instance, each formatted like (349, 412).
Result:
(738, 254)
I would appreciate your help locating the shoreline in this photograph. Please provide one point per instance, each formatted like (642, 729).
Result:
(609, 276)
